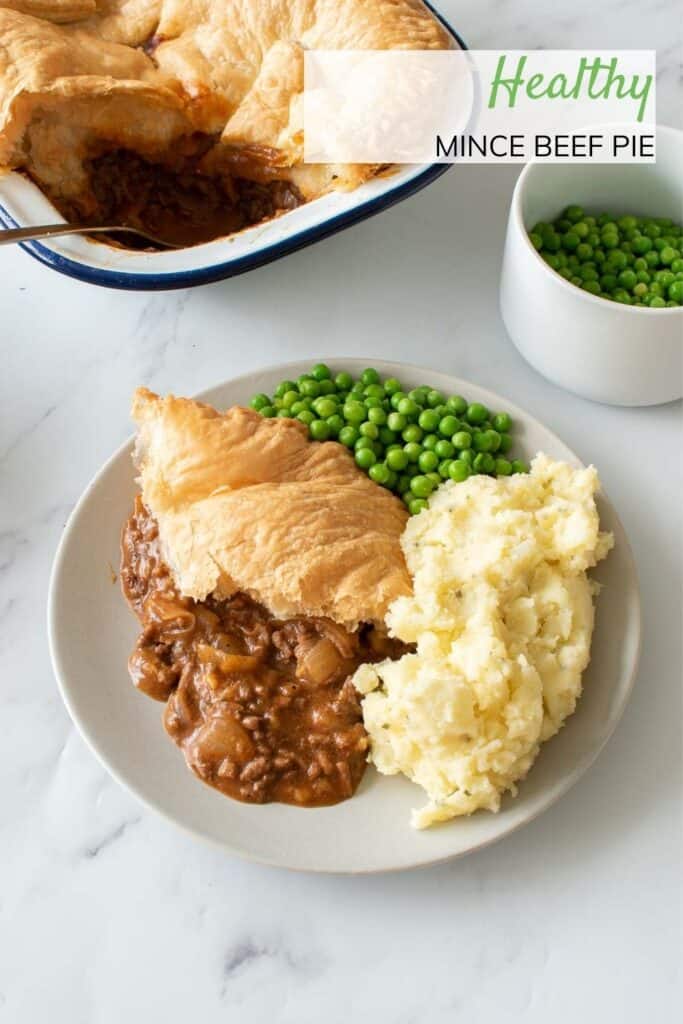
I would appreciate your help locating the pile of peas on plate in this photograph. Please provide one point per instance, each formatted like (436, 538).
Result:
(637, 261)
(409, 442)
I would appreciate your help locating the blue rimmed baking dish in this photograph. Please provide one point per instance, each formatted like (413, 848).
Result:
(22, 204)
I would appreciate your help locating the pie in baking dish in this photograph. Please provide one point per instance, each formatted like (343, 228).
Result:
(184, 117)
(261, 566)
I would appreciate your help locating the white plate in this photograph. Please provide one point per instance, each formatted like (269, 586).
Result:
(92, 632)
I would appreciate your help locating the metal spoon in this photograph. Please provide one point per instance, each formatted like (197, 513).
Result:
(48, 230)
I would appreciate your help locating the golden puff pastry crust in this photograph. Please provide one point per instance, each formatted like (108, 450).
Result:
(249, 504)
(77, 76)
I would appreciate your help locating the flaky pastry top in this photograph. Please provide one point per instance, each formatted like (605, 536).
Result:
(249, 504)
(140, 73)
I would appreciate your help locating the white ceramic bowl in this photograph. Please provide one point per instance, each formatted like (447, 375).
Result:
(22, 204)
(622, 355)
(92, 632)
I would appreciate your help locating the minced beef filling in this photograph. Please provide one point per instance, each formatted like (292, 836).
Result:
(174, 200)
(263, 709)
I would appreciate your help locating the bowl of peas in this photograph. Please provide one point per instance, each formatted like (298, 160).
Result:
(592, 282)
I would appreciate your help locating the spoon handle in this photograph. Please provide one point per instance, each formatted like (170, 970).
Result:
(47, 230)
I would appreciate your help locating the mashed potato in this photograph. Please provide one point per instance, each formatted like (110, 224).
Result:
(502, 615)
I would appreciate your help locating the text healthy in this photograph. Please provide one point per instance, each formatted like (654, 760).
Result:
(595, 79)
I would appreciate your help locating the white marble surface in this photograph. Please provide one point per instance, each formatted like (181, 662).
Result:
(107, 913)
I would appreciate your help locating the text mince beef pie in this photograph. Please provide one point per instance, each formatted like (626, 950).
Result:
(181, 118)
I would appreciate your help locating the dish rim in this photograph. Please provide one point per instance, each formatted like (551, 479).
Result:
(225, 269)
(286, 369)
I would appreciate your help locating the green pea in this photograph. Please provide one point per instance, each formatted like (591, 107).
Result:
(327, 387)
(323, 406)
(365, 458)
(413, 450)
(344, 381)
(641, 244)
(458, 470)
(430, 441)
(369, 430)
(503, 467)
(372, 403)
(677, 265)
(377, 416)
(657, 302)
(283, 387)
(397, 397)
(354, 412)
(421, 486)
(396, 421)
(374, 391)
(667, 255)
(392, 385)
(502, 422)
(429, 420)
(417, 395)
(675, 292)
(570, 241)
(477, 413)
(408, 407)
(467, 455)
(379, 473)
(592, 287)
(617, 259)
(536, 240)
(444, 449)
(434, 398)
(336, 424)
(484, 462)
(412, 433)
(518, 466)
(348, 436)
(259, 401)
(428, 461)
(397, 459)
(640, 289)
(369, 376)
(386, 436)
(573, 213)
(444, 468)
(306, 417)
(481, 441)
(310, 388)
(505, 443)
(319, 430)
(462, 439)
(321, 372)
(457, 405)
(627, 279)
(584, 251)
(289, 399)
(665, 278)
(417, 505)
(448, 426)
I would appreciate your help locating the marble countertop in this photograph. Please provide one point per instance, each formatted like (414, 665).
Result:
(108, 913)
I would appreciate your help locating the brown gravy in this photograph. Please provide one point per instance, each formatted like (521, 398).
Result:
(174, 199)
(263, 709)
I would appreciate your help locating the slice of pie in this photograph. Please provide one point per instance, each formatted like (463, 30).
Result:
(260, 565)
(185, 118)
